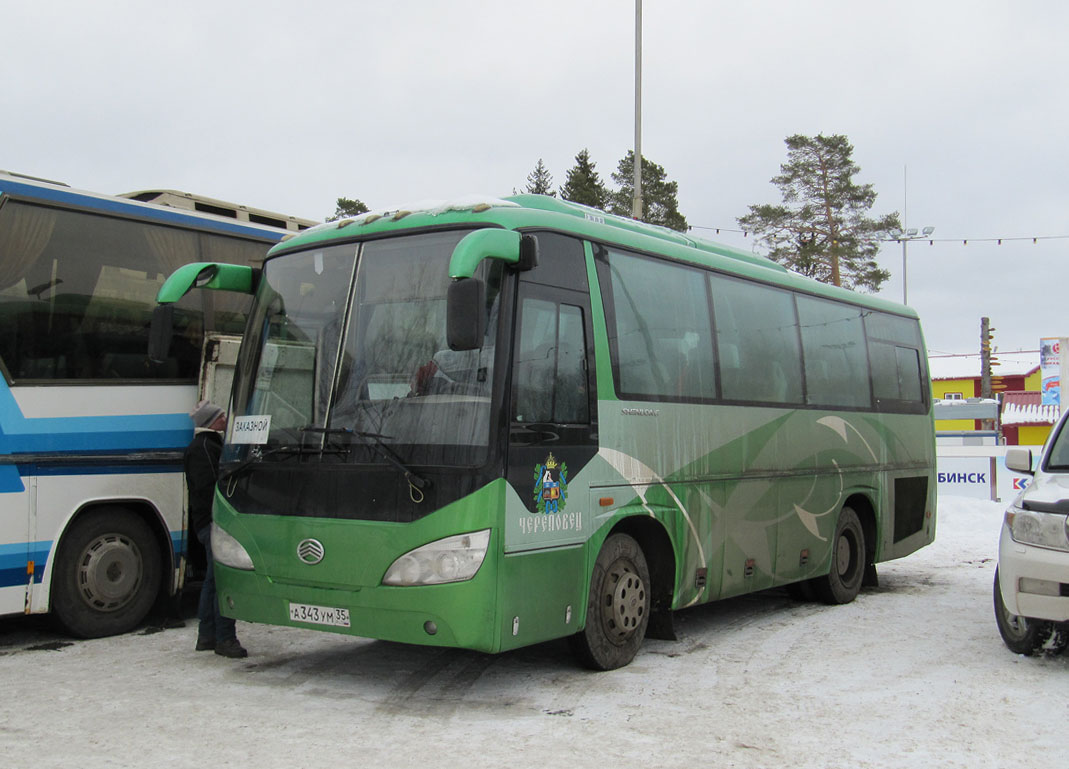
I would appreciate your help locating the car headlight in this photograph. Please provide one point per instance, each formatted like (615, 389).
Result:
(453, 559)
(228, 551)
(1040, 529)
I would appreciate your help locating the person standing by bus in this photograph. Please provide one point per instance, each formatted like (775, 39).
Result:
(201, 461)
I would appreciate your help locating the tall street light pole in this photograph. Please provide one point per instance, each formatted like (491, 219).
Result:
(636, 201)
(903, 237)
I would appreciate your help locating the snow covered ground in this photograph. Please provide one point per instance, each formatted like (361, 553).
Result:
(912, 674)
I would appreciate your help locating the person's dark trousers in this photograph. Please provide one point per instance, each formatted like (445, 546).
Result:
(215, 629)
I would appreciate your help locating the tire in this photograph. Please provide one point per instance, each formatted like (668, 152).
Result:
(1059, 639)
(618, 607)
(107, 574)
(848, 556)
(1023, 635)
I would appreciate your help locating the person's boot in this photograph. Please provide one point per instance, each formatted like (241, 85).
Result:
(231, 648)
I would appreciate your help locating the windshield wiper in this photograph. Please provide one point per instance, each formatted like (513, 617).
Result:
(253, 459)
(416, 483)
(299, 449)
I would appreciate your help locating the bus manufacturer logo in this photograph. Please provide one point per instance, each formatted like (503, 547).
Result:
(310, 551)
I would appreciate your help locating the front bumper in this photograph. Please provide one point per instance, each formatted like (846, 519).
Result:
(457, 614)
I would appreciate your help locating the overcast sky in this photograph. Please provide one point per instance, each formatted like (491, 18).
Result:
(957, 111)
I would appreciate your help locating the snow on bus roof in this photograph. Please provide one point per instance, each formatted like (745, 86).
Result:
(473, 202)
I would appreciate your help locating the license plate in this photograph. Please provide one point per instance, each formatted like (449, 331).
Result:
(319, 615)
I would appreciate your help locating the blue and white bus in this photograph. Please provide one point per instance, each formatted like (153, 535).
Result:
(92, 513)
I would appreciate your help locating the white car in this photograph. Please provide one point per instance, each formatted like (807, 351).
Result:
(1032, 578)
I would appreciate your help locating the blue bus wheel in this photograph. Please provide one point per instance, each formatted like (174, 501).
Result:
(107, 574)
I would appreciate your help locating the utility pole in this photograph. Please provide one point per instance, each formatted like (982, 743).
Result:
(987, 360)
(636, 201)
(985, 357)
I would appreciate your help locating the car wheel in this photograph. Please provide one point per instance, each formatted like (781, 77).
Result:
(1023, 635)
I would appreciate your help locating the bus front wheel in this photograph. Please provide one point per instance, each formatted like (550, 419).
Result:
(618, 607)
(107, 574)
(843, 581)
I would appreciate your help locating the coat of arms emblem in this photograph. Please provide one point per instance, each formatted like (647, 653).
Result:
(551, 486)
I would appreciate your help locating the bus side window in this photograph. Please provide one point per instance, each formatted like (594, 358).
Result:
(79, 289)
(898, 375)
(757, 335)
(571, 405)
(659, 327)
(550, 373)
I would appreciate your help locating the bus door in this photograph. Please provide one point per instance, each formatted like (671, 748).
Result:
(553, 409)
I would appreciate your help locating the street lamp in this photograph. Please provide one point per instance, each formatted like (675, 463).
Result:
(903, 237)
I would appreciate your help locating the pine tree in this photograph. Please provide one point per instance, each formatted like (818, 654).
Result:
(822, 229)
(583, 184)
(539, 181)
(348, 207)
(659, 204)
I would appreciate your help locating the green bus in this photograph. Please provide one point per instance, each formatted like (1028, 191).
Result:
(492, 423)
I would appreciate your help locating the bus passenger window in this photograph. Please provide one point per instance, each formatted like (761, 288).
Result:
(663, 340)
(897, 371)
(836, 360)
(757, 335)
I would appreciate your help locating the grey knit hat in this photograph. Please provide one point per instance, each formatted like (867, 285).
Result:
(204, 413)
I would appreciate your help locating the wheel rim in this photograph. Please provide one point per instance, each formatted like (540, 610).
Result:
(847, 556)
(109, 572)
(623, 601)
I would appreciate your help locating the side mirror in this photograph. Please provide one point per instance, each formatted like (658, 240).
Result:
(206, 276)
(214, 276)
(1020, 460)
(465, 314)
(528, 253)
(488, 243)
(160, 333)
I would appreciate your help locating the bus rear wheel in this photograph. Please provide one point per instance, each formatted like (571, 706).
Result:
(843, 581)
(107, 574)
(618, 607)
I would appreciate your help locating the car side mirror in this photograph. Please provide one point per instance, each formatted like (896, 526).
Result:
(465, 314)
(1020, 460)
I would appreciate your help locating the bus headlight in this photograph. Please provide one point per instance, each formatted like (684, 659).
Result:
(1039, 529)
(228, 551)
(453, 559)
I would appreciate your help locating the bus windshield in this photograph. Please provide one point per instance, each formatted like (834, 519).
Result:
(346, 359)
